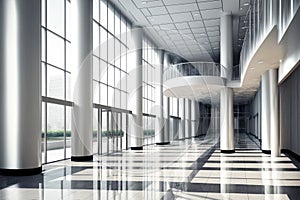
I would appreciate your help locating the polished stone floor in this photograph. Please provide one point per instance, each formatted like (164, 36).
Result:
(191, 169)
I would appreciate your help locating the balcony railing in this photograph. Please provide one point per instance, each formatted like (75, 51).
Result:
(194, 69)
(260, 19)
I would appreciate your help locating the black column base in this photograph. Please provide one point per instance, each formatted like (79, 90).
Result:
(136, 148)
(21, 172)
(162, 143)
(227, 151)
(266, 151)
(81, 158)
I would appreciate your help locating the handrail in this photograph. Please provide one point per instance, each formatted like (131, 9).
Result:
(194, 69)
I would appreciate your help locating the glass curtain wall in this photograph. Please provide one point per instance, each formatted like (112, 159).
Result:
(149, 59)
(56, 80)
(110, 32)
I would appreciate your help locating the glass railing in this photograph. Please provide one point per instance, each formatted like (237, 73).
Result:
(236, 73)
(259, 21)
(194, 69)
(287, 10)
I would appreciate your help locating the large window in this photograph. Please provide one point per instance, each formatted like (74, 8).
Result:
(109, 56)
(110, 74)
(56, 80)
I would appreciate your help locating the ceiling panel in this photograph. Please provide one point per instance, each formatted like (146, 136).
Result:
(183, 25)
(211, 14)
(161, 19)
(180, 8)
(182, 17)
(210, 5)
(172, 2)
(158, 10)
(147, 3)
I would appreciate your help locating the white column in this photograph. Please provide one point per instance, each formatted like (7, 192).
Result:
(265, 113)
(182, 116)
(226, 100)
(226, 112)
(159, 108)
(194, 118)
(188, 113)
(135, 88)
(20, 87)
(82, 112)
(166, 120)
(274, 113)
(226, 56)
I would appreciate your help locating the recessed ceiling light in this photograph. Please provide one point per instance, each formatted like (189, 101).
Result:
(260, 62)
(196, 14)
(216, 47)
(246, 4)
(280, 61)
(244, 27)
(144, 2)
(241, 8)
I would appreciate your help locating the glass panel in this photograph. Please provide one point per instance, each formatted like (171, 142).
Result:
(117, 25)
(43, 79)
(55, 16)
(69, 92)
(68, 57)
(55, 50)
(96, 70)
(96, 92)
(68, 22)
(55, 132)
(96, 10)
(103, 96)
(55, 82)
(111, 19)
(96, 42)
(103, 45)
(103, 72)
(43, 133)
(68, 131)
(104, 132)
(103, 12)
(43, 36)
(95, 130)
(111, 75)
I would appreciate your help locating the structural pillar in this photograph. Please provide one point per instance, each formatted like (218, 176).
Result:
(82, 112)
(194, 118)
(160, 120)
(265, 113)
(20, 87)
(188, 116)
(226, 97)
(136, 90)
(182, 116)
(226, 111)
(274, 113)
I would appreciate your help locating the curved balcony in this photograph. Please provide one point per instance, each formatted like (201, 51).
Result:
(196, 80)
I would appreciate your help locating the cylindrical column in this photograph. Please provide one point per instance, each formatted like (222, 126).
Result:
(226, 57)
(20, 87)
(194, 118)
(265, 113)
(226, 112)
(167, 120)
(274, 113)
(182, 116)
(82, 141)
(136, 90)
(226, 101)
(159, 108)
(188, 117)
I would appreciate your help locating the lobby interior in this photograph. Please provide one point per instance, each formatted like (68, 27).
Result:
(149, 99)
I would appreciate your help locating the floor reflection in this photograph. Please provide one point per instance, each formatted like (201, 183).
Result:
(183, 170)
